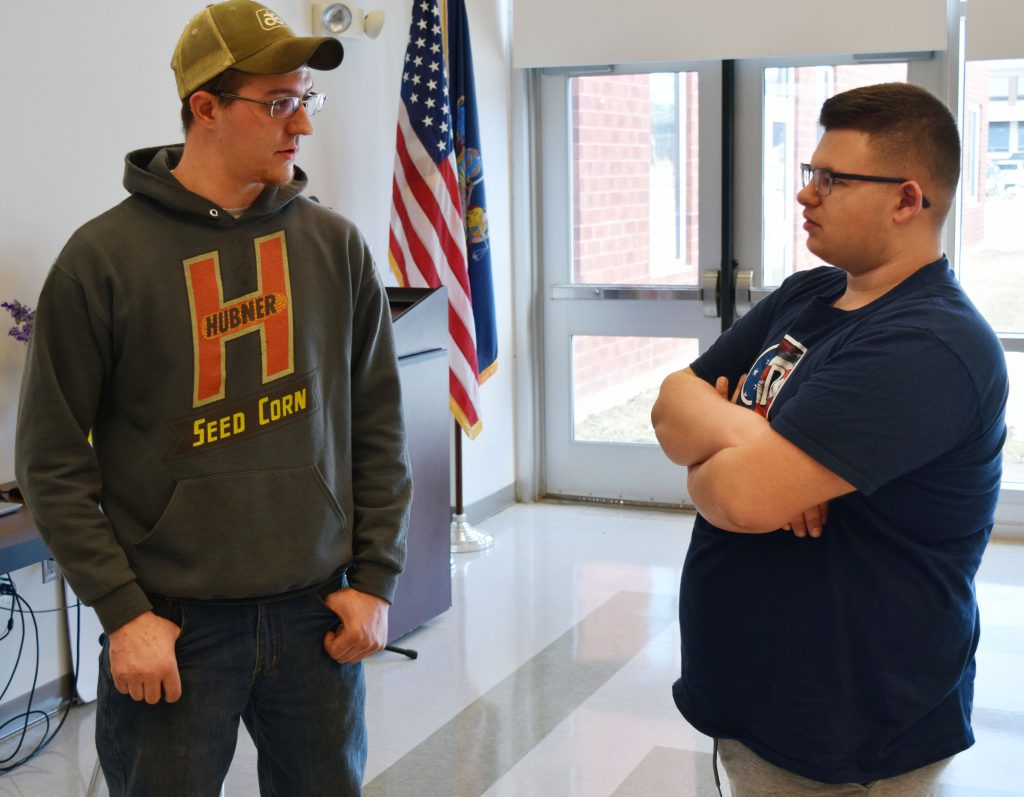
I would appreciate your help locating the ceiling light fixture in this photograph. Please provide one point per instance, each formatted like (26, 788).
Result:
(345, 21)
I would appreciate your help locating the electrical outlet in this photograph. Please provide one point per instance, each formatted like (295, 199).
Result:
(49, 570)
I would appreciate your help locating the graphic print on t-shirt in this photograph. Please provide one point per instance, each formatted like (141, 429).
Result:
(769, 373)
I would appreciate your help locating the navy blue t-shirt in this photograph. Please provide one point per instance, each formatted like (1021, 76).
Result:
(850, 657)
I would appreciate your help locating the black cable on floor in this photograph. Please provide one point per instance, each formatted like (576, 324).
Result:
(7, 587)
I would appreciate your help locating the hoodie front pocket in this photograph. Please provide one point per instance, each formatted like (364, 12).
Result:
(245, 534)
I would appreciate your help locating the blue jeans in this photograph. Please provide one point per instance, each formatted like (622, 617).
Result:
(263, 662)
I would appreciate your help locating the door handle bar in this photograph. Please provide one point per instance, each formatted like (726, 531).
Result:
(645, 293)
(747, 294)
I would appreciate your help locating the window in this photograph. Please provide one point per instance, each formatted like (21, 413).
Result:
(992, 240)
(615, 381)
(635, 166)
(998, 137)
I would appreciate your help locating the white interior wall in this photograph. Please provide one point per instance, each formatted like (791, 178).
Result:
(93, 81)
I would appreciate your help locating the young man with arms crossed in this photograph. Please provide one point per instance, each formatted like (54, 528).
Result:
(827, 611)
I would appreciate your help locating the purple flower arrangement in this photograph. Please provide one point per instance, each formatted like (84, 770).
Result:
(23, 317)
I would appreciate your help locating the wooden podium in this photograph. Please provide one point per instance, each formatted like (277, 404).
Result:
(420, 320)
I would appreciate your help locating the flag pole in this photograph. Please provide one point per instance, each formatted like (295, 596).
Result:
(465, 539)
(439, 230)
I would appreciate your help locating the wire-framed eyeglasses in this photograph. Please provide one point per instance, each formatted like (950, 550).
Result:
(822, 180)
(284, 107)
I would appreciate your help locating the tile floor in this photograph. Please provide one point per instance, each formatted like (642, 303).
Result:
(550, 676)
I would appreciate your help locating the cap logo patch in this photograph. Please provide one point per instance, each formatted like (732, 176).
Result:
(269, 20)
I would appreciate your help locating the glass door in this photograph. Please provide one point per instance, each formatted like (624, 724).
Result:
(630, 174)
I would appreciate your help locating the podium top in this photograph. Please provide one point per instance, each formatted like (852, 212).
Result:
(402, 300)
(420, 319)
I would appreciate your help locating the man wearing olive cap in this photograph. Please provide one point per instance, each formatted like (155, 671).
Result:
(238, 519)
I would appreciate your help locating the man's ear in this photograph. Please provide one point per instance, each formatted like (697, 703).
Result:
(204, 106)
(911, 201)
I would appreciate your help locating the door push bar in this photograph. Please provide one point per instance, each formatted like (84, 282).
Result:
(747, 294)
(624, 292)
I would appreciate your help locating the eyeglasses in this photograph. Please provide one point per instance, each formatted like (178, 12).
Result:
(284, 107)
(822, 180)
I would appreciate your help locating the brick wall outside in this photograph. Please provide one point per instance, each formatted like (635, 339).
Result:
(611, 177)
(612, 173)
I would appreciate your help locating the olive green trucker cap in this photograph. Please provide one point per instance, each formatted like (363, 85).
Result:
(249, 37)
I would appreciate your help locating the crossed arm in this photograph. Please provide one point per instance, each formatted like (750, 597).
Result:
(743, 476)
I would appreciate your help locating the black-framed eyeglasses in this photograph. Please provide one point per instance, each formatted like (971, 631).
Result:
(283, 107)
(822, 180)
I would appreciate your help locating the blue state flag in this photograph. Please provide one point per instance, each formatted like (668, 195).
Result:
(462, 97)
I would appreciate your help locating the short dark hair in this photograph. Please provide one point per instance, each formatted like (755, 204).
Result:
(230, 80)
(908, 125)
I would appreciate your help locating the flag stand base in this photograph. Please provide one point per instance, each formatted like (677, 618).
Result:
(466, 539)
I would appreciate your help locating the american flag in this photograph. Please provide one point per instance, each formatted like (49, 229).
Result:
(427, 246)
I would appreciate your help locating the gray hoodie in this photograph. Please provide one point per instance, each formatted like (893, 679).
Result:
(238, 378)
